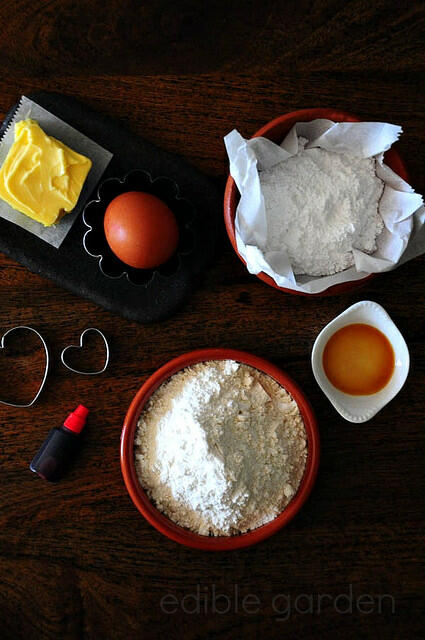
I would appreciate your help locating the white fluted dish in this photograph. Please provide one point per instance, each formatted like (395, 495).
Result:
(362, 408)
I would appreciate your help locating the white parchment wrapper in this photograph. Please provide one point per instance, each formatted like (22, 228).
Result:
(402, 210)
(55, 127)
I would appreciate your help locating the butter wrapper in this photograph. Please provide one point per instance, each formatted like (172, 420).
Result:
(77, 141)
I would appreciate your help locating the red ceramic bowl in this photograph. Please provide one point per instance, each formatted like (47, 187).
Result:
(276, 131)
(158, 519)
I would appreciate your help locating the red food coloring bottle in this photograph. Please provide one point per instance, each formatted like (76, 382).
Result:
(60, 446)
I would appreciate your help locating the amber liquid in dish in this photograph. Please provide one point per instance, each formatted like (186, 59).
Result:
(358, 359)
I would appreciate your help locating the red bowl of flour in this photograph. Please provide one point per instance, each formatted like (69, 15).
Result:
(276, 130)
(140, 497)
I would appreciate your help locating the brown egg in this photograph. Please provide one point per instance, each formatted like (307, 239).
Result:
(141, 230)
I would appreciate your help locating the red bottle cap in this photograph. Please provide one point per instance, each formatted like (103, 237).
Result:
(77, 419)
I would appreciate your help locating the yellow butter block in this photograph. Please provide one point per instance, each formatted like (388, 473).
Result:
(41, 177)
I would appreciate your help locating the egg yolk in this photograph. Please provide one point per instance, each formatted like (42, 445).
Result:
(358, 359)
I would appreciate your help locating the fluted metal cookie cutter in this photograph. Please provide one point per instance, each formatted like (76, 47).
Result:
(46, 368)
(72, 346)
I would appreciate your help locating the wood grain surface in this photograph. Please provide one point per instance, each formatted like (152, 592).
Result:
(76, 559)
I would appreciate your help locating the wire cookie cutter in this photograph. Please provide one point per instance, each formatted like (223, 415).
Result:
(46, 367)
(80, 346)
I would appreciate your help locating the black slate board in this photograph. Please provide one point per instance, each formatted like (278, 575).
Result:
(71, 267)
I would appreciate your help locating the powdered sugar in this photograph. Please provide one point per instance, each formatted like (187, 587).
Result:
(319, 206)
(221, 448)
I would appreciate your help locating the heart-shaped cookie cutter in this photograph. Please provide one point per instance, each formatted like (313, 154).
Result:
(74, 346)
(46, 368)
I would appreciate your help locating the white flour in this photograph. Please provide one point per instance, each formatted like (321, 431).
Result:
(221, 448)
(319, 206)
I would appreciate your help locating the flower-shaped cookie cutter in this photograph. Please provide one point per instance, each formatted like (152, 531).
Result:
(94, 240)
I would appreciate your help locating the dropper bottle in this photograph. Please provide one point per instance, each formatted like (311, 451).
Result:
(60, 446)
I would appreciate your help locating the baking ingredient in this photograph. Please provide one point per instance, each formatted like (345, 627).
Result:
(141, 230)
(358, 359)
(221, 448)
(41, 177)
(320, 205)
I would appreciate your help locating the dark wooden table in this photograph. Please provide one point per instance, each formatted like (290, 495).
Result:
(77, 560)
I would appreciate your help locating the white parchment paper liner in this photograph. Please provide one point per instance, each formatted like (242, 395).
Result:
(57, 128)
(402, 210)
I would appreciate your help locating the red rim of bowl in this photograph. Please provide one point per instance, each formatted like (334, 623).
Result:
(276, 130)
(158, 519)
